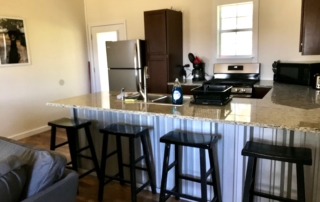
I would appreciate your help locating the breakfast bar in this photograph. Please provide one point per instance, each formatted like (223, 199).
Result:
(287, 115)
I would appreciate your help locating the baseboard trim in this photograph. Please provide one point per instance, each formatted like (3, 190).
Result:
(30, 133)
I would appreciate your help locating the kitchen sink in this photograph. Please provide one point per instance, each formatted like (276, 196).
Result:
(158, 99)
(150, 98)
(168, 100)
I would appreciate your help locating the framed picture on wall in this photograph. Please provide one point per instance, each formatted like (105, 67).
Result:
(13, 42)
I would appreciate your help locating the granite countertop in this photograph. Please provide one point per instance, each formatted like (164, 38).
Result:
(285, 106)
(189, 82)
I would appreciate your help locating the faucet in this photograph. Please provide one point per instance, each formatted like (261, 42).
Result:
(143, 91)
(122, 94)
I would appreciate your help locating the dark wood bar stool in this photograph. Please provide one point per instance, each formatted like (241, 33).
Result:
(203, 142)
(72, 128)
(131, 132)
(255, 150)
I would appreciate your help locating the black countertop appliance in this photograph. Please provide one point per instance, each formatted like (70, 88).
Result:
(198, 68)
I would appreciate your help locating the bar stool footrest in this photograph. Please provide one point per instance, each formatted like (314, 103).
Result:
(109, 179)
(84, 156)
(136, 167)
(61, 144)
(172, 165)
(278, 198)
(170, 192)
(116, 178)
(86, 173)
(111, 153)
(143, 186)
(186, 177)
(83, 148)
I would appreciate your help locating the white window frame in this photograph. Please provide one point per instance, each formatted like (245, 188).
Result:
(255, 17)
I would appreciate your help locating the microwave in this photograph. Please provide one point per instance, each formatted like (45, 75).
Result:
(301, 73)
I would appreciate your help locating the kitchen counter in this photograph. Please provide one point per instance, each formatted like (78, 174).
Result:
(287, 115)
(189, 82)
(291, 107)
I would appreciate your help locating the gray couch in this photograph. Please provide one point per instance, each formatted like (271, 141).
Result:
(32, 174)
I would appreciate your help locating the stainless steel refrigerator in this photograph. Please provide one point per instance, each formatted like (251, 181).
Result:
(125, 61)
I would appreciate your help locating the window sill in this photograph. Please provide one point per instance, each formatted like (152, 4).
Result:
(234, 57)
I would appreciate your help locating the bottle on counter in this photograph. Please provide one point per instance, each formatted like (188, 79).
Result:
(177, 95)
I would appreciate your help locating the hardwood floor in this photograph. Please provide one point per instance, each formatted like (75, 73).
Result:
(88, 185)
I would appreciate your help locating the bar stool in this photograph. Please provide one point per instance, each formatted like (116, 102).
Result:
(203, 142)
(72, 127)
(255, 150)
(132, 132)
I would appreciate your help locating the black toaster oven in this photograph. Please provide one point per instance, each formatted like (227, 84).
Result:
(301, 73)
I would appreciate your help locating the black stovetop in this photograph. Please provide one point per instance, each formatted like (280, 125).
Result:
(231, 82)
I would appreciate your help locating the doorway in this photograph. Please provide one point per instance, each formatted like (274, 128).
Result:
(99, 35)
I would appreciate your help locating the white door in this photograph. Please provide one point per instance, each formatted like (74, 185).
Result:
(99, 35)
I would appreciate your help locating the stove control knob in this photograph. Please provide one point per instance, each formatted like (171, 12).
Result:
(243, 90)
(236, 90)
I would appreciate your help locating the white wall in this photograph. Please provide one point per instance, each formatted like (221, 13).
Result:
(57, 44)
(279, 26)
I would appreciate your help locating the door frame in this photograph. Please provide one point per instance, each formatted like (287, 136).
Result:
(90, 47)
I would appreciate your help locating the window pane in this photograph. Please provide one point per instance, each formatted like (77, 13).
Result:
(244, 43)
(245, 9)
(244, 22)
(234, 19)
(228, 11)
(228, 23)
(228, 43)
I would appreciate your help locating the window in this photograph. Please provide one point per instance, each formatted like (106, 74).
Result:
(237, 30)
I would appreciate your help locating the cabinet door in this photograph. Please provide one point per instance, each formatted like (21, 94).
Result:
(158, 74)
(310, 27)
(155, 32)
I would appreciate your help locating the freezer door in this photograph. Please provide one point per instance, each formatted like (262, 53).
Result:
(124, 54)
(123, 78)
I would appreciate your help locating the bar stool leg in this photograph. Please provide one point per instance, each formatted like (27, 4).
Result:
(300, 182)
(132, 170)
(148, 162)
(177, 169)
(164, 172)
(203, 175)
(72, 139)
(92, 150)
(103, 165)
(214, 177)
(250, 177)
(53, 138)
(120, 161)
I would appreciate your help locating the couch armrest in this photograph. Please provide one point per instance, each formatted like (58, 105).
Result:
(64, 190)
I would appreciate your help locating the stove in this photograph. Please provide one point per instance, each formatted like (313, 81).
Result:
(241, 77)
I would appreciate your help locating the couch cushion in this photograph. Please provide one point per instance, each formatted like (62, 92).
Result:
(13, 174)
(44, 166)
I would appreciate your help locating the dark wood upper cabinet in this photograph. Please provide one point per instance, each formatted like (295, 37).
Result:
(310, 27)
(163, 36)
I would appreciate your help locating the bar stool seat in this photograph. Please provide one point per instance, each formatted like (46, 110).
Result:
(254, 150)
(203, 142)
(72, 127)
(132, 132)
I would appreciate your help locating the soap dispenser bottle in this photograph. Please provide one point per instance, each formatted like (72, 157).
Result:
(177, 95)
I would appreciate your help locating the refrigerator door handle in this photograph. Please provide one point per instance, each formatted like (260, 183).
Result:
(137, 70)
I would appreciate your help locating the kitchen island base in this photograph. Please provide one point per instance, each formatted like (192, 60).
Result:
(278, 178)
